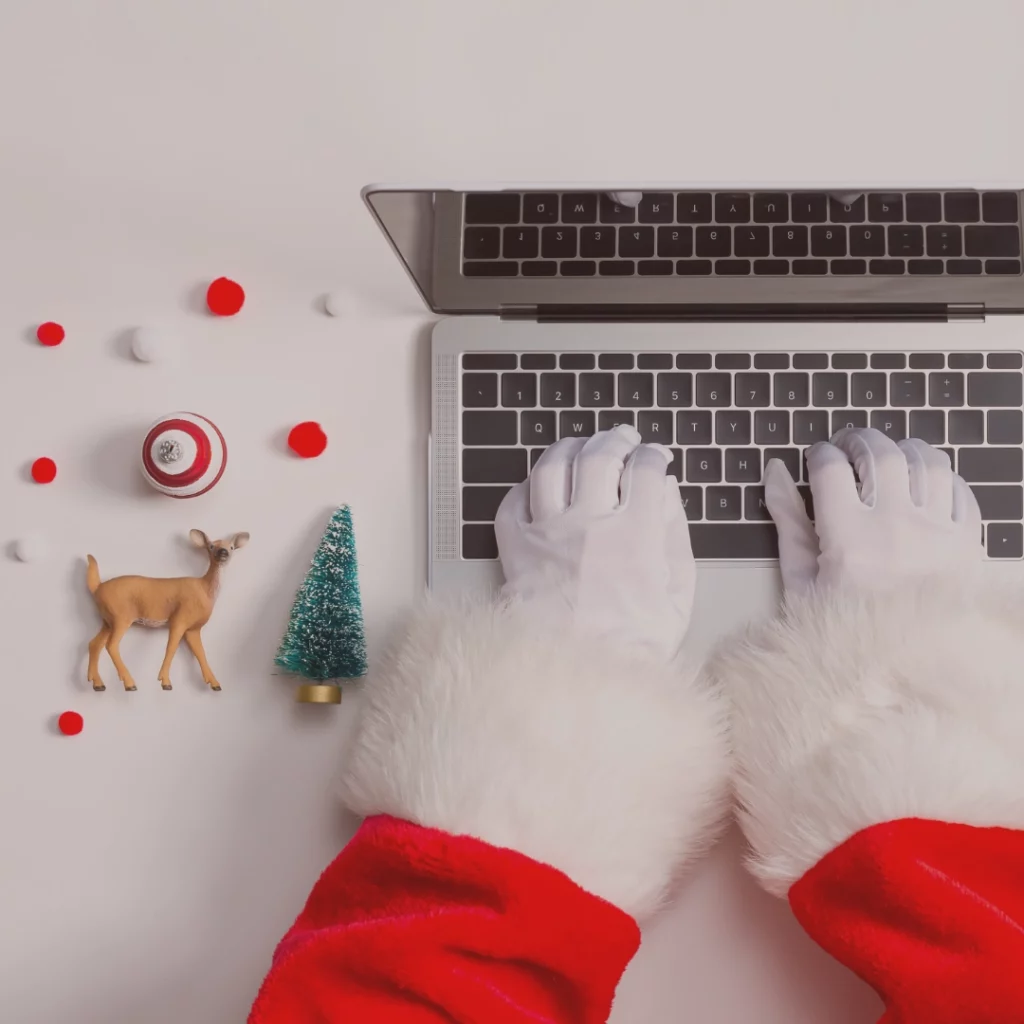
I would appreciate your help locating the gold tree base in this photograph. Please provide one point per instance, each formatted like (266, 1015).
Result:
(318, 693)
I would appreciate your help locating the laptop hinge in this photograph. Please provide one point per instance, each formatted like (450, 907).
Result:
(751, 312)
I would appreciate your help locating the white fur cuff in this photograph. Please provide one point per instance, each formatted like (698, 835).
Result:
(490, 720)
(851, 710)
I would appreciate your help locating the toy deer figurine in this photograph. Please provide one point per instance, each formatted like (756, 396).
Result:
(183, 604)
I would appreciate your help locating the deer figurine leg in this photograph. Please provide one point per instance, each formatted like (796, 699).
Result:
(195, 645)
(175, 631)
(117, 631)
(96, 644)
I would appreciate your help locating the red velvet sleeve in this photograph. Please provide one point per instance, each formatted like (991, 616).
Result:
(410, 925)
(930, 914)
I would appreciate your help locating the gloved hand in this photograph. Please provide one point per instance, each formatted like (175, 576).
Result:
(599, 535)
(911, 516)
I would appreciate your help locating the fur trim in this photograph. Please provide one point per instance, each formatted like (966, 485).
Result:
(851, 710)
(493, 721)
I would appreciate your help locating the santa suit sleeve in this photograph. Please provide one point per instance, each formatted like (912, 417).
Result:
(880, 776)
(529, 795)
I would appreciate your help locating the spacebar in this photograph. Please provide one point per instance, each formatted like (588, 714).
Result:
(734, 540)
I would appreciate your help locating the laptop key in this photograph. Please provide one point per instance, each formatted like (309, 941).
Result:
(790, 240)
(616, 268)
(906, 389)
(924, 267)
(675, 389)
(847, 419)
(1005, 540)
(493, 465)
(615, 361)
(963, 267)
(577, 423)
(771, 360)
(887, 267)
(754, 505)
(1004, 427)
(636, 390)
(579, 207)
(945, 389)
(743, 465)
(656, 208)
(675, 242)
(693, 268)
(771, 207)
(752, 241)
(479, 390)
(771, 427)
(492, 208)
(809, 207)
(540, 208)
(492, 268)
(489, 361)
(850, 361)
(693, 361)
(655, 361)
(520, 243)
(479, 541)
(480, 504)
(714, 241)
(597, 389)
(654, 268)
(891, 422)
(999, 208)
(519, 390)
(734, 540)
(609, 420)
(998, 389)
(693, 427)
(732, 361)
(723, 503)
(810, 427)
(538, 427)
(579, 268)
(732, 268)
(703, 465)
(540, 268)
(557, 390)
(614, 213)
(792, 390)
(714, 389)
(655, 427)
(732, 207)
(828, 240)
(596, 243)
(867, 240)
(991, 240)
(945, 240)
(1000, 502)
(771, 268)
(829, 389)
(481, 243)
(967, 361)
(885, 206)
(810, 361)
(1002, 266)
(962, 207)
(486, 429)
(732, 427)
(693, 208)
(810, 267)
(577, 361)
(636, 241)
(846, 213)
(848, 267)
(928, 425)
(789, 457)
(966, 426)
(923, 207)
(906, 240)
(560, 243)
(991, 465)
(693, 502)
(753, 390)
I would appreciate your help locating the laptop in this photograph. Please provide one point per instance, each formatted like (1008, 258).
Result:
(732, 325)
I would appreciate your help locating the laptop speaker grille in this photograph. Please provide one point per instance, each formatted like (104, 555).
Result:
(445, 457)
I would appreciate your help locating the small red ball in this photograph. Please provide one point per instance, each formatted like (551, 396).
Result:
(50, 334)
(70, 723)
(224, 297)
(307, 439)
(44, 471)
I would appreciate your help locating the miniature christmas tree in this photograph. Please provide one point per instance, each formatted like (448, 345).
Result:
(325, 640)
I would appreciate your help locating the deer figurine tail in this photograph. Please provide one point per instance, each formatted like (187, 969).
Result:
(92, 574)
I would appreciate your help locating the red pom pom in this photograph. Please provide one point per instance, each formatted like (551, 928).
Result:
(70, 723)
(224, 297)
(44, 471)
(50, 334)
(307, 439)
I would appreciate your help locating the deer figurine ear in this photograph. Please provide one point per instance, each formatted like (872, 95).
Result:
(240, 540)
(199, 538)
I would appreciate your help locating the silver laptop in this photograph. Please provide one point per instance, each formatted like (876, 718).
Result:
(733, 326)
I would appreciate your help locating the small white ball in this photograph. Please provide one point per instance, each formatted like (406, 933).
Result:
(630, 199)
(31, 548)
(151, 344)
(338, 303)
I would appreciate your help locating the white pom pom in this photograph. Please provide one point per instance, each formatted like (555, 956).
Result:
(31, 548)
(338, 303)
(151, 344)
(626, 198)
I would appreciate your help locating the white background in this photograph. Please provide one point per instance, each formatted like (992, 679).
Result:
(148, 866)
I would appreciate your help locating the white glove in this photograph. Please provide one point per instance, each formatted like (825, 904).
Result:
(598, 533)
(911, 516)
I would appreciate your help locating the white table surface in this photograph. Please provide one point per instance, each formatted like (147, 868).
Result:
(148, 866)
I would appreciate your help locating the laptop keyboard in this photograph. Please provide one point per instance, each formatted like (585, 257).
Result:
(725, 414)
(586, 234)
